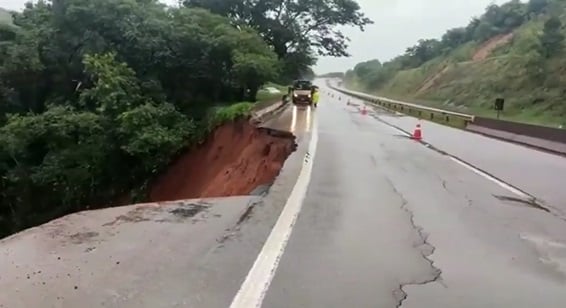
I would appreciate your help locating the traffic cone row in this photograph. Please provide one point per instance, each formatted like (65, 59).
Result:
(417, 132)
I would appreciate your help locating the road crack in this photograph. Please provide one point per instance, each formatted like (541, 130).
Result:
(245, 216)
(425, 248)
(469, 201)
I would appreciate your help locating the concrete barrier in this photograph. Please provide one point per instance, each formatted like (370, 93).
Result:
(536, 131)
(541, 137)
(265, 110)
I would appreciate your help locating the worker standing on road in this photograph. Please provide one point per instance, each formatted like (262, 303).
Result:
(315, 97)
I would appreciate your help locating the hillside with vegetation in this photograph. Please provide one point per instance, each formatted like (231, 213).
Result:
(98, 97)
(515, 51)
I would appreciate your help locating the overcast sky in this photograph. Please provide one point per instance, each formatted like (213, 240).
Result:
(398, 25)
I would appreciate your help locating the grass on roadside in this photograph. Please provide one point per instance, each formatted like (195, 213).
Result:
(265, 96)
(482, 107)
(222, 114)
(532, 85)
(536, 116)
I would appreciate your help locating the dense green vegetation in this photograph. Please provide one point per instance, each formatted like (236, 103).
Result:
(297, 30)
(515, 51)
(96, 97)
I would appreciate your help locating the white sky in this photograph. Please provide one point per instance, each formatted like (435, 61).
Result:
(398, 25)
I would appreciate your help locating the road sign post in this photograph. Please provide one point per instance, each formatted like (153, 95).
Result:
(499, 103)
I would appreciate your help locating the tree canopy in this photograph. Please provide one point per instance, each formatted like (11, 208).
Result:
(96, 97)
(297, 30)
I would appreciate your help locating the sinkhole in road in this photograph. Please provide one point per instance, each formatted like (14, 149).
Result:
(238, 158)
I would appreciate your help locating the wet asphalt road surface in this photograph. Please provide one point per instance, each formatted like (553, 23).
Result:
(131, 256)
(389, 222)
(186, 253)
(386, 222)
(295, 119)
(538, 173)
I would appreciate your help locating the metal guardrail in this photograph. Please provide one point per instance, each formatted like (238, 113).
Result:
(544, 138)
(266, 109)
(423, 112)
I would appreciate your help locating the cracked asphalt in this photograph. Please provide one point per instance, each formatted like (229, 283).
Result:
(388, 222)
(185, 253)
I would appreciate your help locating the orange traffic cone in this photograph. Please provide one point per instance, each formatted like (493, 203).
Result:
(417, 133)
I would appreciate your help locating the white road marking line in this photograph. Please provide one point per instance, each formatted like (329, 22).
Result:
(294, 119)
(475, 170)
(491, 178)
(256, 284)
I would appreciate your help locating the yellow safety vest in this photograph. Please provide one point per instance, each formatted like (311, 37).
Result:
(315, 97)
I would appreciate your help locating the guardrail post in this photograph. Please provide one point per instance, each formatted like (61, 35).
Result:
(413, 109)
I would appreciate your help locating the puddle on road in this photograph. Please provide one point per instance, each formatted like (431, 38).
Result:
(528, 203)
(180, 212)
(188, 210)
(82, 237)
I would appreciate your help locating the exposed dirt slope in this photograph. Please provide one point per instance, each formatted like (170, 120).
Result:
(486, 49)
(482, 53)
(236, 159)
(431, 81)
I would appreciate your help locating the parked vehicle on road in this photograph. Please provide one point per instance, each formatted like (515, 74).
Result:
(302, 92)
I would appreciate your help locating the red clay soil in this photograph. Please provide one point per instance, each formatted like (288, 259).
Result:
(488, 47)
(236, 159)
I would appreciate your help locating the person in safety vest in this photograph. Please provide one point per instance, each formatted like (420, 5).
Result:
(315, 97)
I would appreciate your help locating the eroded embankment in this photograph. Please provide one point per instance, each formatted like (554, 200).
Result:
(237, 158)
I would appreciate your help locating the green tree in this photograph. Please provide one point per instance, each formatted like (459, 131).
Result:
(294, 27)
(453, 38)
(537, 6)
(425, 50)
(363, 69)
(552, 39)
(96, 97)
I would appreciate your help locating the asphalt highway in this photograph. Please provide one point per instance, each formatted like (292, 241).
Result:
(538, 173)
(388, 222)
(360, 216)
